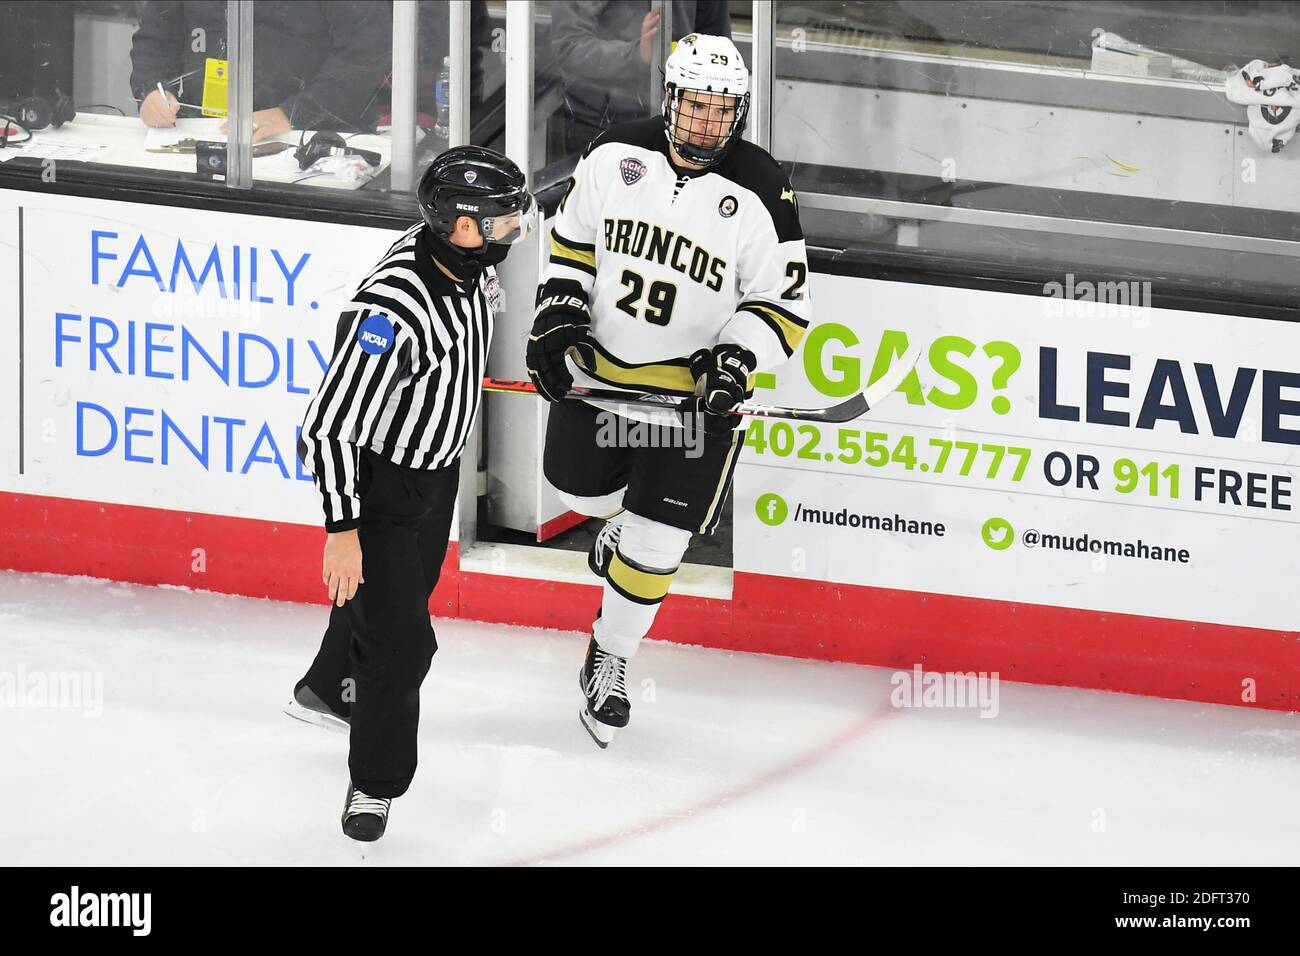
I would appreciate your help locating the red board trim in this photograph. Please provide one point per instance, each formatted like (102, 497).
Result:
(774, 615)
(559, 524)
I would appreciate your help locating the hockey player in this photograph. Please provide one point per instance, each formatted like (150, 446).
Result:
(677, 266)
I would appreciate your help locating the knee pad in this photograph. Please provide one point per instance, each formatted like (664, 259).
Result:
(652, 544)
(604, 506)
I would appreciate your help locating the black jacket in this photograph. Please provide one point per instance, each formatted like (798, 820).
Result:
(321, 62)
(597, 46)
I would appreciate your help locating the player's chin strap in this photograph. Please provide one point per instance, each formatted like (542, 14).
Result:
(845, 411)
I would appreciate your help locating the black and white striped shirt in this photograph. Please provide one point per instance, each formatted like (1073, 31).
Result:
(405, 378)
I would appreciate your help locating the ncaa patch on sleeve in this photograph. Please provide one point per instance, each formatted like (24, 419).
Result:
(376, 334)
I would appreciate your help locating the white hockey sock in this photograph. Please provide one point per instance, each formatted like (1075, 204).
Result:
(638, 579)
(602, 506)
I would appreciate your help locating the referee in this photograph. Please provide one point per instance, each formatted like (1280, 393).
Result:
(383, 437)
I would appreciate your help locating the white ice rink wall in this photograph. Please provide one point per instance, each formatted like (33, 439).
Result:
(1065, 492)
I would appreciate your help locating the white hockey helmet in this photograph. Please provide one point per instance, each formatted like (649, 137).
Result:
(712, 69)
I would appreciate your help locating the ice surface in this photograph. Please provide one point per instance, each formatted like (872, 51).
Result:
(736, 758)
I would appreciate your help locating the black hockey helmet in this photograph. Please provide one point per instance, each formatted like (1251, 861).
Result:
(479, 183)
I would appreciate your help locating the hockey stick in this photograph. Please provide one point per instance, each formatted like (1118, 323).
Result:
(845, 411)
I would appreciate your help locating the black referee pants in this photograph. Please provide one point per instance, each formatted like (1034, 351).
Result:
(378, 646)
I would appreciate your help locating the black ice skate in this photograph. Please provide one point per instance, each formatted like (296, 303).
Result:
(602, 549)
(364, 816)
(309, 708)
(603, 680)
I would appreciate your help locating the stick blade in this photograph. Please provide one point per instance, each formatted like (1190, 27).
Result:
(863, 402)
(845, 411)
(884, 386)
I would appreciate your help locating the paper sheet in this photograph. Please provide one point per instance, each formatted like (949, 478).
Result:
(36, 149)
(197, 129)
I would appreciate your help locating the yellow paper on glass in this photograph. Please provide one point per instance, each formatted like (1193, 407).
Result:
(216, 86)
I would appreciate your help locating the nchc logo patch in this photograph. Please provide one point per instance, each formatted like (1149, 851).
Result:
(376, 334)
(495, 297)
(632, 169)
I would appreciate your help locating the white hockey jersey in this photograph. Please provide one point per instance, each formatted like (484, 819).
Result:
(674, 261)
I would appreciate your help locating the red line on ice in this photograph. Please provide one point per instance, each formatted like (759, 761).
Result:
(776, 775)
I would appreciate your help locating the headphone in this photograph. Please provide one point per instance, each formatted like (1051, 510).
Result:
(37, 112)
(325, 144)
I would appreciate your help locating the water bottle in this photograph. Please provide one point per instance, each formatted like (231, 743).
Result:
(442, 95)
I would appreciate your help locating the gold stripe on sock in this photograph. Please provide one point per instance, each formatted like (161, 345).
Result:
(637, 584)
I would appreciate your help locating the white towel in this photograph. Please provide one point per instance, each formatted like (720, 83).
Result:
(1271, 95)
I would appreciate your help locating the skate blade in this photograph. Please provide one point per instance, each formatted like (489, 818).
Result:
(602, 734)
(328, 721)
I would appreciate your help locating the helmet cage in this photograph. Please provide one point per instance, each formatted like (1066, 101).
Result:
(679, 127)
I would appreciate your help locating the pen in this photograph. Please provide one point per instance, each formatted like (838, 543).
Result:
(163, 94)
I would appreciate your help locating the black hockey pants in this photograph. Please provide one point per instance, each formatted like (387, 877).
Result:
(378, 646)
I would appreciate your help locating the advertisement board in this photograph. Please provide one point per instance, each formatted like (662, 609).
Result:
(164, 357)
(1078, 450)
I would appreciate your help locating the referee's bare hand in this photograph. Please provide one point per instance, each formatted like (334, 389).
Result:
(342, 565)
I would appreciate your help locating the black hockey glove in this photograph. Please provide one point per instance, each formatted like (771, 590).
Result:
(562, 323)
(721, 379)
